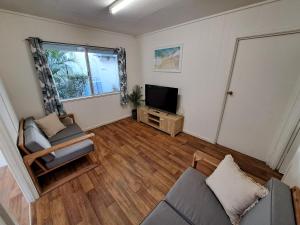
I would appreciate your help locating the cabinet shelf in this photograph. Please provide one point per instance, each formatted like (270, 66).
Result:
(169, 123)
(153, 119)
(154, 123)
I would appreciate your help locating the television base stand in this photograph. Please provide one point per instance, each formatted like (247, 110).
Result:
(167, 122)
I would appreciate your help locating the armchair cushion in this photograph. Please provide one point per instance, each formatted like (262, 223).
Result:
(29, 122)
(70, 132)
(36, 141)
(70, 153)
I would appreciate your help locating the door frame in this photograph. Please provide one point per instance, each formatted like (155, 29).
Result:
(280, 166)
(279, 146)
(8, 145)
(16, 165)
(5, 217)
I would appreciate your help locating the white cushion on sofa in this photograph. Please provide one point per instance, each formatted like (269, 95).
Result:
(234, 189)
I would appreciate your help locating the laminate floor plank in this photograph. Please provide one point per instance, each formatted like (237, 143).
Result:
(12, 198)
(137, 166)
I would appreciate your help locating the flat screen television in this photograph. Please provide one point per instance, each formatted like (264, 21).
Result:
(164, 98)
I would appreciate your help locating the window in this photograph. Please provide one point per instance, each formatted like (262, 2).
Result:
(82, 71)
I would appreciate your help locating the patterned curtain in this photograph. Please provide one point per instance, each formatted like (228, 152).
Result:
(50, 94)
(122, 74)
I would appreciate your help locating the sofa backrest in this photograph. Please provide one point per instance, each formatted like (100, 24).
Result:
(35, 140)
(275, 209)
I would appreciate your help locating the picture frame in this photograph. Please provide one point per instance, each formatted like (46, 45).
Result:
(168, 59)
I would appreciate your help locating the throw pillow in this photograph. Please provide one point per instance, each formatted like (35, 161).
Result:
(235, 190)
(50, 124)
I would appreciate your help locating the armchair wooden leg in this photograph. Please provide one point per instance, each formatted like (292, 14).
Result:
(89, 158)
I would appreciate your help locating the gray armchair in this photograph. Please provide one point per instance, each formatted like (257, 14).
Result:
(51, 153)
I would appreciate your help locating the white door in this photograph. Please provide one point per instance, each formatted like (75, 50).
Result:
(264, 83)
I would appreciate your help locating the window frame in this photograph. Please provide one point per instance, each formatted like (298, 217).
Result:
(89, 74)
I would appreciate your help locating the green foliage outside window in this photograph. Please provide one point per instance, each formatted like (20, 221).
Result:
(68, 83)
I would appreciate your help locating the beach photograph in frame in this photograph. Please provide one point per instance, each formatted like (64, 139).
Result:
(168, 59)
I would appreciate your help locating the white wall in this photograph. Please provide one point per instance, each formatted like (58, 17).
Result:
(19, 76)
(207, 54)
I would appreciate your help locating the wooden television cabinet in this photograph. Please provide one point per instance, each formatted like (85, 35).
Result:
(167, 122)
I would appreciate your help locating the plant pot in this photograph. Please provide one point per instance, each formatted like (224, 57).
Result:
(134, 114)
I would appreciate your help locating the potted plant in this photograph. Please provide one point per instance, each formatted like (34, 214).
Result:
(135, 98)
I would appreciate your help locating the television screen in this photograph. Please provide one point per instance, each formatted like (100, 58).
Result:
(164, 98)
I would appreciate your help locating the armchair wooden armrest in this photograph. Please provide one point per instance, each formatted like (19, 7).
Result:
(71, 115)
(29, 159)
(201, 156)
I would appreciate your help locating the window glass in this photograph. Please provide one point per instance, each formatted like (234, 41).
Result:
(69, 70)
(74, 67)
(104, 71)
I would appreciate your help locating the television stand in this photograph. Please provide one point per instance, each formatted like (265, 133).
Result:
(167, 122)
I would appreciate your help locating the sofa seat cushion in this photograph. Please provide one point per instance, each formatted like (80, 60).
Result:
(194, 200)
(35, 141)
(275, 209)
(68, 133)
(71, 153)
(163, 214)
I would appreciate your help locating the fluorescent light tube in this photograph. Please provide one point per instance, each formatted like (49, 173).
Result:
(119, 5)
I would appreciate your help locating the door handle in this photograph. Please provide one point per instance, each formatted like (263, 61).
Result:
(230, 93)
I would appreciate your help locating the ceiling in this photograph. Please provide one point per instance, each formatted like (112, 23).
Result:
(140, 17)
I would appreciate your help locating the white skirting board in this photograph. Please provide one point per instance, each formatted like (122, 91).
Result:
(200, 137)
(105, 123)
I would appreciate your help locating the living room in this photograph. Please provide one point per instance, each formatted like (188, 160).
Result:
(154, 93)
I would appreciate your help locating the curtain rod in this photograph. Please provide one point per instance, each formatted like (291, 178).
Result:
(62, 43)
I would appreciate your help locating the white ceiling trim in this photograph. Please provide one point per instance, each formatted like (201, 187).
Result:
(209, 17)
(85, 27)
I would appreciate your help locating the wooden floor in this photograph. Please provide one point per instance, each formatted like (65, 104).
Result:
(138, 165)
(12, 198)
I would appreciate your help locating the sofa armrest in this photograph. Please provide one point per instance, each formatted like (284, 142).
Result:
(201, 156)
(29, 159)
(296, 203)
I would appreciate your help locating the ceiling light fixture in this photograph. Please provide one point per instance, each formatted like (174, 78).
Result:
(119, 5)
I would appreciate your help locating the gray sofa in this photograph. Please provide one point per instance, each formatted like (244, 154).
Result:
(35, 140)
(191, 202)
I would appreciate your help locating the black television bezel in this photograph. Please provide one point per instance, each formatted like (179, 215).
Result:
(173, 112)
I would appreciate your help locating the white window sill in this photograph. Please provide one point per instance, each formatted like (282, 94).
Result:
(89, 97)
